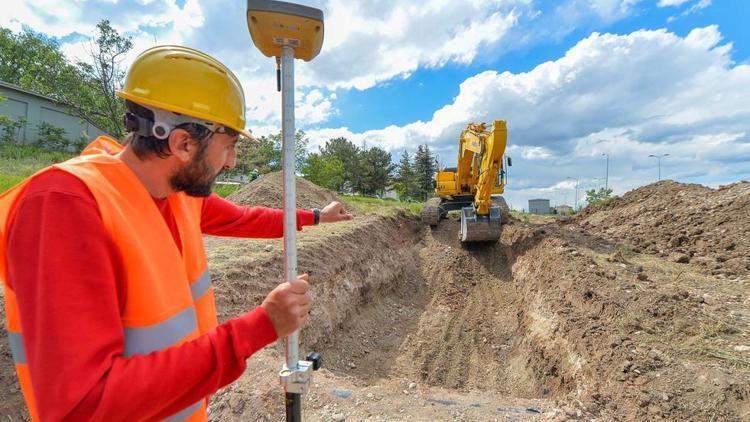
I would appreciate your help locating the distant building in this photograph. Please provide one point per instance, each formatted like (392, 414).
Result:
(36, 109)
(539, 206)
(564, 209)
(390, 194)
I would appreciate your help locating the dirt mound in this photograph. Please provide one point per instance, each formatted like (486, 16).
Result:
(268, 191)
(683, 222)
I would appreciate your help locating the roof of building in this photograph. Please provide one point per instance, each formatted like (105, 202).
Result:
(26, 91)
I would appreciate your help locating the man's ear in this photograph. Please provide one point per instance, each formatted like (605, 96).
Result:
(181, 145)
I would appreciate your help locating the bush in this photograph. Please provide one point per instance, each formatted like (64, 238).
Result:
(10, 129)
(52, 137)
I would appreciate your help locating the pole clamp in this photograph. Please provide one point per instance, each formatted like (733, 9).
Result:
(298, 380)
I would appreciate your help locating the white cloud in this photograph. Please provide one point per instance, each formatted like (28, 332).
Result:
(667, 3)
(368, 43)
(535, 153)
(700, 5)
(631, 95)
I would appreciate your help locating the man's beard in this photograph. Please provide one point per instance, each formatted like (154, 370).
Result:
(195, 179)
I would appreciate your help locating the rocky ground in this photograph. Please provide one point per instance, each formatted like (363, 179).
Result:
(578, 320)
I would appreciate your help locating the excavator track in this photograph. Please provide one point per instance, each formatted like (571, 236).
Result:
(431, 212)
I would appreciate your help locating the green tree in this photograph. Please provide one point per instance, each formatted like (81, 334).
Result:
(35, 63)
(10, 129)
(350, 156)
(265, 154)
(324, 170)
(105, 75)
(405, 181)
(52, 137)
(376, 171)
(424, 171)
(300, 150)
(594, 196)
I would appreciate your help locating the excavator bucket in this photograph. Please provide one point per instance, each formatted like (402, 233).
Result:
(480, 228)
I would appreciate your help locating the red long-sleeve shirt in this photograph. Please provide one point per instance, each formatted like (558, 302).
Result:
(62, 266)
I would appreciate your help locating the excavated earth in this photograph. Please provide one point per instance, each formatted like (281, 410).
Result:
(681, 222)
(268, 190)
(556, 321)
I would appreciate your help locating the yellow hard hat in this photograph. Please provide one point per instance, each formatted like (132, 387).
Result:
(188, 82)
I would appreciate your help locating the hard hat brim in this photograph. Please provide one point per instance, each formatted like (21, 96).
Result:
(247, 135)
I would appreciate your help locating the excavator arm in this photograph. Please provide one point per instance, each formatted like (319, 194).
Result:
(491, 160)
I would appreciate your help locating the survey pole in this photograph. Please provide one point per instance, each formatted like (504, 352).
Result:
(288, 31)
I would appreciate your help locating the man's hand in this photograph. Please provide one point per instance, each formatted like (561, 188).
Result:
(288, 305)
(334, 212)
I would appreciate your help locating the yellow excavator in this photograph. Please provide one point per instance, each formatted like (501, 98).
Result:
(479, 174)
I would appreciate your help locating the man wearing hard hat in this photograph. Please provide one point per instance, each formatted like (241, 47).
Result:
(109, 303)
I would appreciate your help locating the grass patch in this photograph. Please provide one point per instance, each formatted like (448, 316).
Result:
(369, 205)
(728, 357)
(225, 190)
(18, 162)
(7, 182)
(533, 218)
(25, 160)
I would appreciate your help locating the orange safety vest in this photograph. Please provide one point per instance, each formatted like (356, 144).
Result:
(168, 296)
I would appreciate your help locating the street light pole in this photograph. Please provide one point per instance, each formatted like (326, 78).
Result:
(658, 159)
(575, 205)
(606, 179)
(598, 181)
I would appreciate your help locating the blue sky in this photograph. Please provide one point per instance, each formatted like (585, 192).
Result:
(373, 108)
(575, 79)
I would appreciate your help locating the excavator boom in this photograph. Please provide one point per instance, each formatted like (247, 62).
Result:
(489, 167)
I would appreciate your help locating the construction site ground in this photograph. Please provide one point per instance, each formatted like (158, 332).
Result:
(592, 318)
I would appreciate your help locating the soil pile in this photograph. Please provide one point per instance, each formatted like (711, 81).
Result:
(268, 191)
(683, 222)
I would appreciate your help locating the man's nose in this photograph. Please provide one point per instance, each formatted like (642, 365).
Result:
(231, 160)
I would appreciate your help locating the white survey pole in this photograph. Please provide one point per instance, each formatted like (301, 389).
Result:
(291, 343)
(289, 31)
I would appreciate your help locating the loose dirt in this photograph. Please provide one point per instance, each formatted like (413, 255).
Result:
(681, 222)
(268, 191)
(556, 321)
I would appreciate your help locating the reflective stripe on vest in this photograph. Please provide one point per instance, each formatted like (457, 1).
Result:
(184, 413)
(144, 340)
(200, 287)
(17, 349)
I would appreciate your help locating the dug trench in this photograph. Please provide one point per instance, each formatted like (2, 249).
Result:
(550, 322)
(413, 326)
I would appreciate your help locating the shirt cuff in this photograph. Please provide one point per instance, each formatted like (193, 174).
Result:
(254, 331)
(305, 218)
